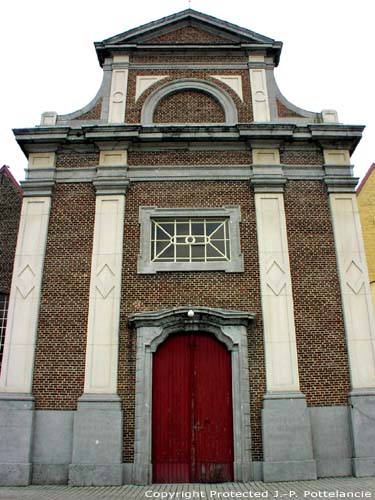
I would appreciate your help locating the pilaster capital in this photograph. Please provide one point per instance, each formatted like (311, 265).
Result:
(343, 184)
(111, 180)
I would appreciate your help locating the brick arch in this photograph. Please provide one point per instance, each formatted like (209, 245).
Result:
(189, 106)
(214, 93)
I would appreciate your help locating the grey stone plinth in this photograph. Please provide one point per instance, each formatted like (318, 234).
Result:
(52, 447)
(50, 473)
(142, 473)
(257, 471)
(243, 471)
(128, 473)
(16, 434)
(289, 470)
(331, 440)
(95, 475)
(97, 441)
(287, 440)
(362, 415)
(15, 474)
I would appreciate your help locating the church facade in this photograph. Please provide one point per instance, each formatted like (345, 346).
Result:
(190, 298)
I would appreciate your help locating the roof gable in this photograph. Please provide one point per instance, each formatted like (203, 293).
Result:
(187, 28)
(159, 27)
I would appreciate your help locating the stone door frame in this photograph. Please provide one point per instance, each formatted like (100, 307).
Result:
(230, 328)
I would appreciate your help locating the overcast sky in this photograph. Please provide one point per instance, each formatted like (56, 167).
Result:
(49, 62)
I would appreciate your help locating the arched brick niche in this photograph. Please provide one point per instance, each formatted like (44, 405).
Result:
(189, 101)
(189, 106)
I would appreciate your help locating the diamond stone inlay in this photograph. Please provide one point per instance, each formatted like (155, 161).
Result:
(275, 277)
(25, 283)
(104, 281)
(354, 275)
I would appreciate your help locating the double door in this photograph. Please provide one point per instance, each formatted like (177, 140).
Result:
(192, 428)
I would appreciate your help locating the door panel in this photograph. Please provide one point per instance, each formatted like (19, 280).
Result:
(171, 411)
(213, 432)
(192, 435)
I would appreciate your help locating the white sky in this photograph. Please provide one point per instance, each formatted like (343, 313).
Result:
(49, 63)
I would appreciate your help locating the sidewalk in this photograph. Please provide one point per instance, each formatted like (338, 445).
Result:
(322, 488)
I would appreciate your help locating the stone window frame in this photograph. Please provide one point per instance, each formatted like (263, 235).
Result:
(217, 93)
(146, 266)
(229, 327)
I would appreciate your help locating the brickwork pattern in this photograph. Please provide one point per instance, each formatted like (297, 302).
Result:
(189, 106)
(93, 113)
(301, 157)
(10, 209)
(188, 34)
(172, 289)
(321, 344)
(176, 157)
(77, 160)
(284, 112)
(182, 58)
(61, 341)
(134, 108)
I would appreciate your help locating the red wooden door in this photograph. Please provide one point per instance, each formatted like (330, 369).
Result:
(192, 431)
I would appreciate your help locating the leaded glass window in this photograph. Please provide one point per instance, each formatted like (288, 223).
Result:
(190, 240)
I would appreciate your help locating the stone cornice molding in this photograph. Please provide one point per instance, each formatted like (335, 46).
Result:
(40, 138)
(178, 317)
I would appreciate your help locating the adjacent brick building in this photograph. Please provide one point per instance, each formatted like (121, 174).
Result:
(10, 208)
(190, 298)
(366, 205)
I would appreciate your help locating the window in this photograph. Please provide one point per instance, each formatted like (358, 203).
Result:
(4, 300)
(189, 240)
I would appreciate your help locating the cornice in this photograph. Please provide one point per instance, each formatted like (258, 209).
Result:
(52, 138)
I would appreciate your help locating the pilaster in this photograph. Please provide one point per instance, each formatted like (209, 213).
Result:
(97, 434)
(119, 85)
(286, 428)
(259, 93)
(16, 400)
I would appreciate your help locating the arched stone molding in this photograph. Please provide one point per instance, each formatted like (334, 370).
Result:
(224, 99)
(229, 327)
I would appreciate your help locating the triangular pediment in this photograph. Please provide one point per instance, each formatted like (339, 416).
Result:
(190, 27)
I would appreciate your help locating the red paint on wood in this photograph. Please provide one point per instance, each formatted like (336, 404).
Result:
(192, 431)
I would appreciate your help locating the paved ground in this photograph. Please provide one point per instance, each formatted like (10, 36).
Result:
(323, 488)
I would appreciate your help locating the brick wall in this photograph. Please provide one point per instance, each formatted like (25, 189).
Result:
(93, 113)
(321, 344)
(189, 106)
(181, 157)
(301, 157)
(188, 34)
(284, 112)
(133, 107)
(213, 289)
(61, 345)
(77, 160)
(61, 341)
(10, 209)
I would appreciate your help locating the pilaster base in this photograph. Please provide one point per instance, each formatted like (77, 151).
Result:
(287, 440)
(16, 435)
(243, 471)
(95, 475)
(97, 441)
(362, 413)
(142, 474)
(289, 471)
